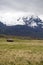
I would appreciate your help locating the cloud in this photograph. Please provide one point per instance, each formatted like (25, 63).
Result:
(14, 8)
(35, 6)
(10, 18)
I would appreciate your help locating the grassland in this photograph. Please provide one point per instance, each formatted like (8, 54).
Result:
(21, 52)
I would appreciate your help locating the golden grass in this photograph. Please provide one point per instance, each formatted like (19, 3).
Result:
(27, 52)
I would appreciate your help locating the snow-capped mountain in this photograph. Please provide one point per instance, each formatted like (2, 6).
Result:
(33, 21)
(31, 27)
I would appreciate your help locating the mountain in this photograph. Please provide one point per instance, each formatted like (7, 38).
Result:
(33, 21)
(2, 28)
(32, 28)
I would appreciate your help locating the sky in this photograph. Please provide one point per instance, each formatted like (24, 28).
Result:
(10, 10)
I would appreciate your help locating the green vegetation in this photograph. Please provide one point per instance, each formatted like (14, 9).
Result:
(21, 52)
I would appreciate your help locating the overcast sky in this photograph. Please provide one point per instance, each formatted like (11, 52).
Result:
(10, 8)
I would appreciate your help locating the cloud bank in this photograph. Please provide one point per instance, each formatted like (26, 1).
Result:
(12, 9)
